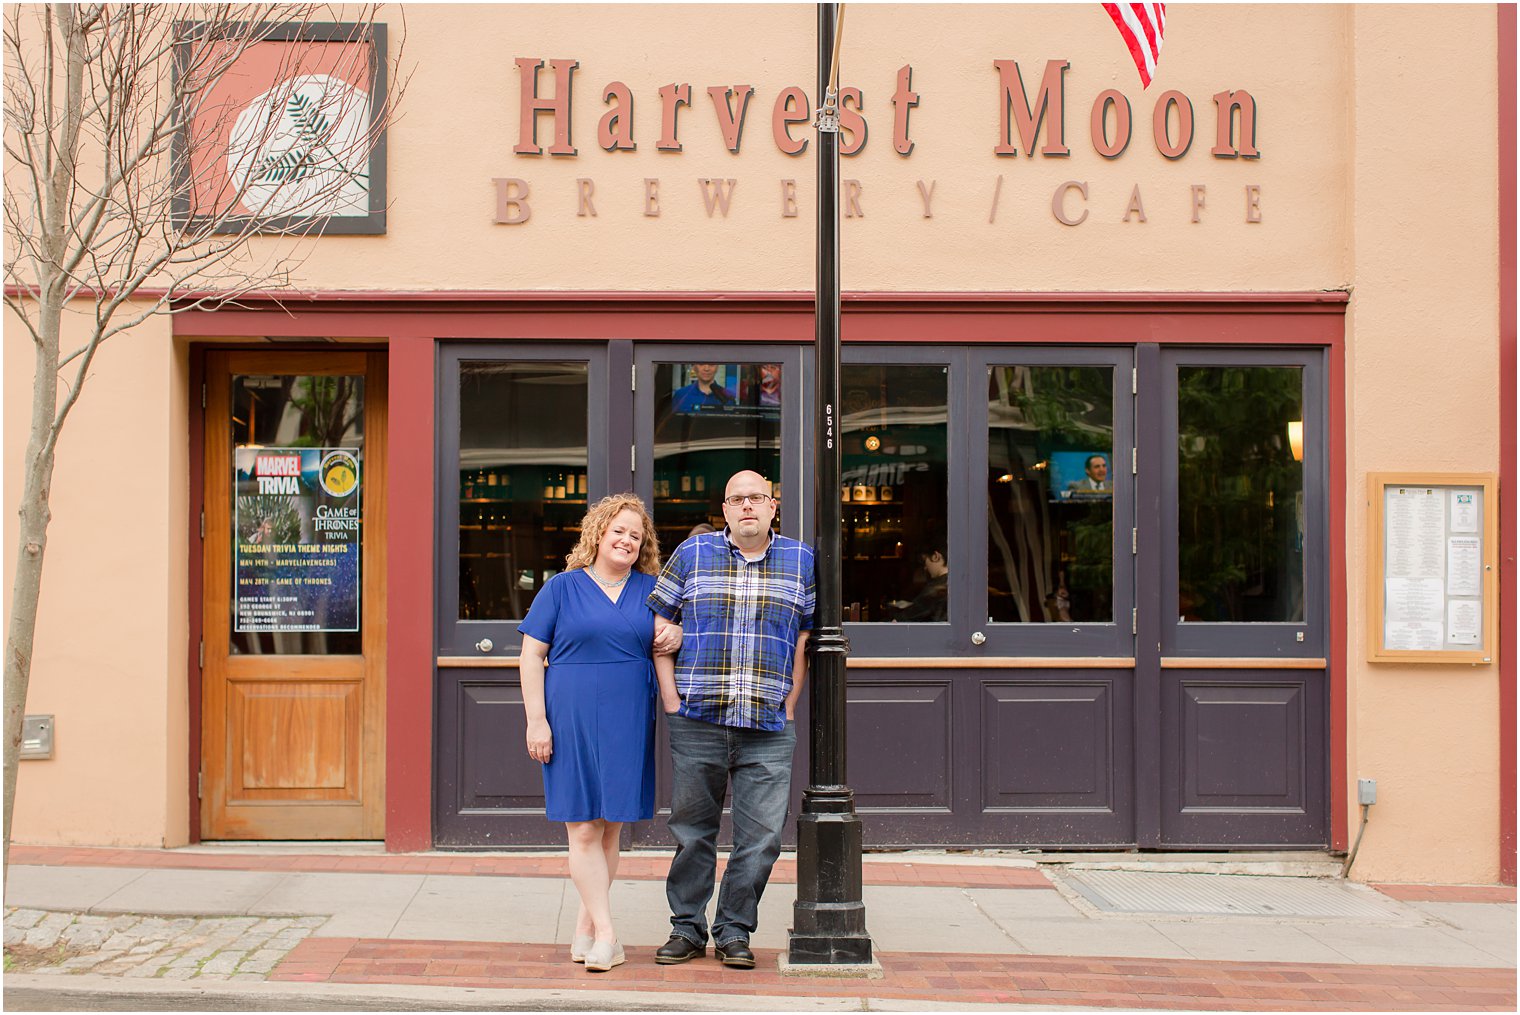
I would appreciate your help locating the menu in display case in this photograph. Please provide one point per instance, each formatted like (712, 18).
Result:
(1434, 578)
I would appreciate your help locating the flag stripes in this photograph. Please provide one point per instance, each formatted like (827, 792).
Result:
(1142, 26)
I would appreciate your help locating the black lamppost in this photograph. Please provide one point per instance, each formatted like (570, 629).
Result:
(829, 917)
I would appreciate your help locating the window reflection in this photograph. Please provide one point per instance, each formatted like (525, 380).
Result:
(895, 560)
(274, 411)
(711, 421)
(1240, 494)
(522, 480)
(1050, 486)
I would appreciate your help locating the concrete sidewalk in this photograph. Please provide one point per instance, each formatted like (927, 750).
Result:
(949, 931)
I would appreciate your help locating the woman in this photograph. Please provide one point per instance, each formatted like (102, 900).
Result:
(591, 721)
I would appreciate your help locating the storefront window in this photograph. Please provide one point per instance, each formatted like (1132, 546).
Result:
(1240, 494)
(522, 480)
(895, 554)
(1050, 492)
(711, 421)
(297, 514)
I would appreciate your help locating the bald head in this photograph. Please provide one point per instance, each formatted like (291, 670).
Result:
(749, 480)
(748, 509)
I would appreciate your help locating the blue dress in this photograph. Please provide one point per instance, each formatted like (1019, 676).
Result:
(599, 693)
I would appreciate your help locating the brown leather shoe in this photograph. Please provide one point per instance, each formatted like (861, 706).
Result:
(736, 954)
(678, 950)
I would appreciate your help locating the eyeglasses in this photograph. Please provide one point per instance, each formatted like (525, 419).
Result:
(738, 499)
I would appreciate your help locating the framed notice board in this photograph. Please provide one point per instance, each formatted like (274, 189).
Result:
(1433, 574)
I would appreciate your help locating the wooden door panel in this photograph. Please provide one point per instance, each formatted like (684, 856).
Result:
(292, 746)
(296, 740)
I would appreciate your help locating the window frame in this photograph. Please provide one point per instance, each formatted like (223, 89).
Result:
(1113, 638)
(1285, 639)
(948, 638)
(794, 483)
(458, 637)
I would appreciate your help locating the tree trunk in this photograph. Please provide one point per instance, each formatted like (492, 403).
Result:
(21, 629)
(30, 546)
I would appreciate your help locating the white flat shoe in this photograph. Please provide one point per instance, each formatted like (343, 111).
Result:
(579, 946)
(603, 955)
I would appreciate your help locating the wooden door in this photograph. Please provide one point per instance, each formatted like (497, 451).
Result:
(293, 678)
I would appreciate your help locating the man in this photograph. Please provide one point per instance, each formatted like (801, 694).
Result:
(703, 393)
(932, 602)
(745, 597)
(1096, 468)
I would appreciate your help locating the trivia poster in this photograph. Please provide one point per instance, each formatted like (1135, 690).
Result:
(297, 525)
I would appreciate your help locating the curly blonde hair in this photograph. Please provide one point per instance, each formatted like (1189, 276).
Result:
(594, 527)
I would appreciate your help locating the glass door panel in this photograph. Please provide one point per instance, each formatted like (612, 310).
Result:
(902, 550)
(894, 547)
(707, 415)
(1240, 494)
(294, 508)
(522, 480)
(1244, 493)
(1056, 502)
(522, 449)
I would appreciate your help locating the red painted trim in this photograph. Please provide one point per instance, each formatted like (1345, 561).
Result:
(1507, 443)
(409, 582)
(1123, 318)
(576, 300)
(196, 583)
(1338, 651)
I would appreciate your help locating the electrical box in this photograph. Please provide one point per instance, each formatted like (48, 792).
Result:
(1366, 791)
(36, 736)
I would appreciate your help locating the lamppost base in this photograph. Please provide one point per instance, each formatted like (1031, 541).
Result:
(829, 916)
(812, 950)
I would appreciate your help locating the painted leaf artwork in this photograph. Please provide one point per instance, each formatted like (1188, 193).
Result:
(289, 135)
(299, 149)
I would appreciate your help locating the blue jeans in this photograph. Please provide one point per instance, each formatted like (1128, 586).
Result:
(707, 757)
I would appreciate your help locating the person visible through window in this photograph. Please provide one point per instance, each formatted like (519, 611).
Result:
(1096, 479)
(933, 599)
(703, 394)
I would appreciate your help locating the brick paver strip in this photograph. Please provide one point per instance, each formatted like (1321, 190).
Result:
(1448, 893)
(633, 867)
(954, 978)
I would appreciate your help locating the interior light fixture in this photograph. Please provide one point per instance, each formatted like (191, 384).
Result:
(1296, 439)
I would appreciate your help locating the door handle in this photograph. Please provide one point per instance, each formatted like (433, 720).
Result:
(484, 645)
(978, 638)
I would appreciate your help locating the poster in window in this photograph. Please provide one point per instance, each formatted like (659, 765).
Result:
(297, 527)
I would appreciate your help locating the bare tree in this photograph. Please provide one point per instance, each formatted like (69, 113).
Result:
(139, 182)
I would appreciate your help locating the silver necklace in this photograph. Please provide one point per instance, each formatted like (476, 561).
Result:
(607, 584)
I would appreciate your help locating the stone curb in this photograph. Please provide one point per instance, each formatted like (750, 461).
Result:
(334, 995)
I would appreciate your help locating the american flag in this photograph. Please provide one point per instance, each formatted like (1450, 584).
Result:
(1142, 26)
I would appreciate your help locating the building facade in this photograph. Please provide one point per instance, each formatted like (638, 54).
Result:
(1128, 376)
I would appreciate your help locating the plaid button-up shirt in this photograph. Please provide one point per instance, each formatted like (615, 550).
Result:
(742, 619)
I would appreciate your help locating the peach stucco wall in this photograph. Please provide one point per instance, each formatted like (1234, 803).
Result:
(461, 124)
(1374, 178)
(1423, 394)
(109, 660)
